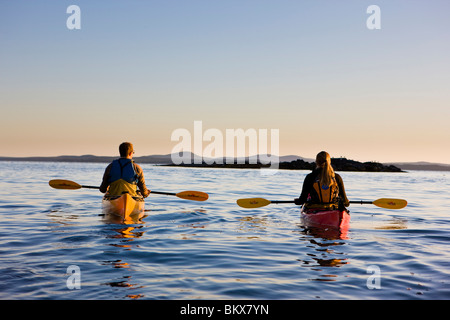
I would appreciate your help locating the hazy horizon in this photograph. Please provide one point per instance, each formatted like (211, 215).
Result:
(281, 156)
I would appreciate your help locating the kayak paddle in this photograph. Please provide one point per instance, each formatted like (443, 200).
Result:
(382, 203)
(258, 202)
(386, 203)
(187, 195)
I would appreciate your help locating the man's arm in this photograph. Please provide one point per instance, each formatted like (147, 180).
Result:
(141, 181)
(105, 181)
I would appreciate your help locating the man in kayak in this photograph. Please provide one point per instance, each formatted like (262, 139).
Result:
(323, 188)
(123, 175)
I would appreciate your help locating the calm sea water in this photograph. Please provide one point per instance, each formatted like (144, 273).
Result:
(215, 249)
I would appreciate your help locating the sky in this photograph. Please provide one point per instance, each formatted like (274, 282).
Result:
(139, 70)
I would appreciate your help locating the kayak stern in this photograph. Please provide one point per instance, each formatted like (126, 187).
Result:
(338, 219)
(124, 206)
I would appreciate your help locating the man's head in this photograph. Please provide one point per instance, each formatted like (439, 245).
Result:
(126, 149)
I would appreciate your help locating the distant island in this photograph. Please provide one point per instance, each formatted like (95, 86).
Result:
(290, 162)
(429, 166)
(154, 159)
(339, 164)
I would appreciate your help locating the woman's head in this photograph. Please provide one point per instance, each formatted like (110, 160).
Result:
(323, 161)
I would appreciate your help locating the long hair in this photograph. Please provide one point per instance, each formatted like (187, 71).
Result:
(323, 160)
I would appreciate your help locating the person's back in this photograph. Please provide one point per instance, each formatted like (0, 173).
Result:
(323, 188)
(123, 175)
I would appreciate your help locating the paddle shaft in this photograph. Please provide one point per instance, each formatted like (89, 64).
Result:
(90, 187)
(361, 202)
(283, 201)
(355, 202)
(166, 193)
(155, 192)
(291, 201)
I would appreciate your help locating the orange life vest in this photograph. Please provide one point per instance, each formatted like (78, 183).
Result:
(328, 196)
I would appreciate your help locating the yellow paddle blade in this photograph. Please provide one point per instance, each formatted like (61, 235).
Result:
(253, 202)
(193, 195)
(64, 184)
(390, 203)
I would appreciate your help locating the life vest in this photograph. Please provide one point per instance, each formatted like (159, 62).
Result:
(327, 197)
(123, 178)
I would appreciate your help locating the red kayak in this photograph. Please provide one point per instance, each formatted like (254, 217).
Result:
(337, 219)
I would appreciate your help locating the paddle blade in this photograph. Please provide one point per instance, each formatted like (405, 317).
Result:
(64, 184)
(193, 195)
(253, 202)
(390, 203)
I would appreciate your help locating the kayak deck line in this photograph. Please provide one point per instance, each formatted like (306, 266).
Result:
(124, 206)
(109, 198)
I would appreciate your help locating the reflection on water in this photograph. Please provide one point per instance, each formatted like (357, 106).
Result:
(326, 233)
(394, 224)
(126, 283)
(128, 231)
(60, 214)
(112, 218)
(250, 225)
(117, 264)
(251, 222)
(325, 255)
(120, 234)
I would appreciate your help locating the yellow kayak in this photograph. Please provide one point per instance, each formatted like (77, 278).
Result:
(124, 206)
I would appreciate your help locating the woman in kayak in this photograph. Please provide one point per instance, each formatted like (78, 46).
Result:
(323, 188)
(123, 175)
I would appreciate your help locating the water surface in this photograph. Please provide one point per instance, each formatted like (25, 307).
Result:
(215, 249)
